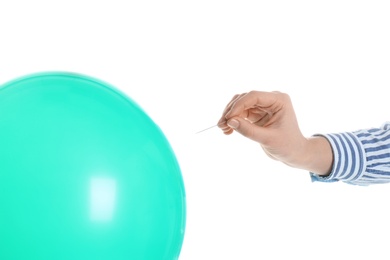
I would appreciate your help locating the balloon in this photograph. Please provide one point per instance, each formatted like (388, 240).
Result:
(84, 174)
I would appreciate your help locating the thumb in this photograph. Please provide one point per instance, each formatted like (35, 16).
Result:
(247, 129)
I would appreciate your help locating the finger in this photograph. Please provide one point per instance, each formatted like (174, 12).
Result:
(225, 128)
(244, 113)
(258, 116)
(263, 116)
(232, 101)
(254, 99)
(235, 97)
(222, 120)
(249, 130)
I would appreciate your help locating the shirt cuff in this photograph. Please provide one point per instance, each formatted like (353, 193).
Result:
(348, 159)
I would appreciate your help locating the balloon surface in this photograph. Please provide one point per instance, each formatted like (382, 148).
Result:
(84, 174)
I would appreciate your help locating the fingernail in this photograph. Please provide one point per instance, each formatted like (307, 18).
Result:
(233, 123)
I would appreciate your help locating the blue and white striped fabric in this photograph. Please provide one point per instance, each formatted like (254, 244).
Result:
(360, 157)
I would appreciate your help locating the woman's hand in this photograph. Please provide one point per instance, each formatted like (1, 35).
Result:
(269, 119)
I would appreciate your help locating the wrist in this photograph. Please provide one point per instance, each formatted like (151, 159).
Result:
(314, 155)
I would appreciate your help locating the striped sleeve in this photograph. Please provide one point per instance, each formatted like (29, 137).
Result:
(360, 157)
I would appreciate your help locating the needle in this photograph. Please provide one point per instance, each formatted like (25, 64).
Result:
(209, 128)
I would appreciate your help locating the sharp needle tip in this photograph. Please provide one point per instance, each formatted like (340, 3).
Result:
(209, 128)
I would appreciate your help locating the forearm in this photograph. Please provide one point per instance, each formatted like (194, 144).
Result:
(314, 155)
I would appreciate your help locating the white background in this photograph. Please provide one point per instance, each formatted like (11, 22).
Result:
(182, 61)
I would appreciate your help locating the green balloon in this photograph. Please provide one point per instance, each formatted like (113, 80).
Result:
(84, 174)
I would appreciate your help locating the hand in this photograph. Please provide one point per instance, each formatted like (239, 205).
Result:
(269, 119)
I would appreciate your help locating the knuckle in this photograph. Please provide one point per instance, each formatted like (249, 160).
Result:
(282, 95)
